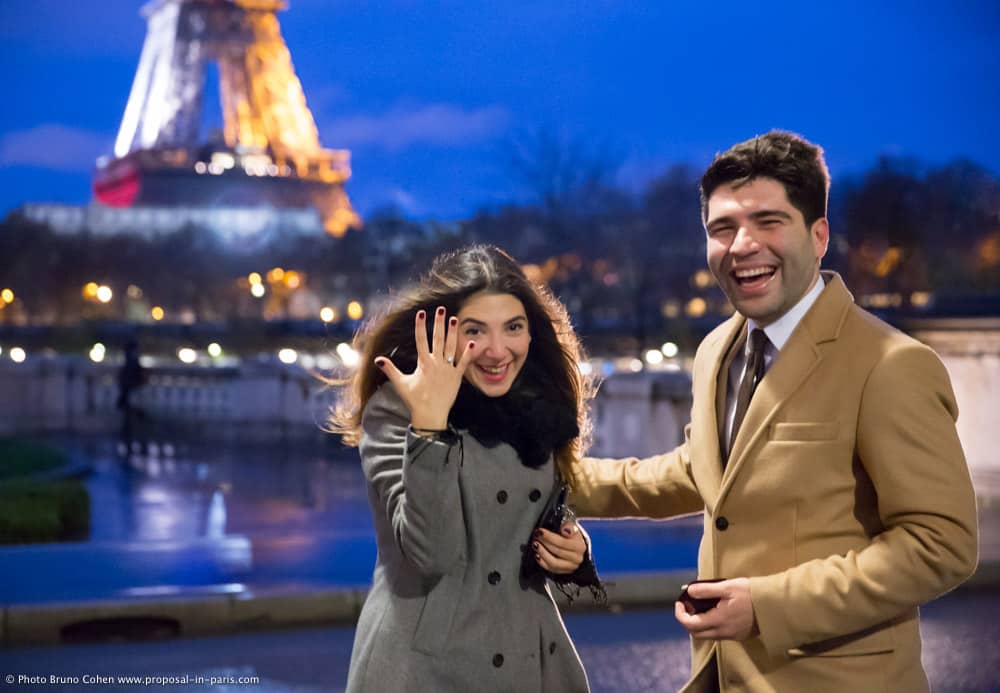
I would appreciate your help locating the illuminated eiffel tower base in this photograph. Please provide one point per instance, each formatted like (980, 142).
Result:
(268, 153)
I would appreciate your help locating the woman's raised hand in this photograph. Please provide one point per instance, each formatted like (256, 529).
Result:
(430, 390)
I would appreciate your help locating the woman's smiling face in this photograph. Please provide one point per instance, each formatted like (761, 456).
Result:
(498, 324)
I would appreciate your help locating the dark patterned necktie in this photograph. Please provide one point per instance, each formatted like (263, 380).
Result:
(751, 377)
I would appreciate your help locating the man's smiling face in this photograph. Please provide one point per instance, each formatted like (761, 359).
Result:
(760, 250)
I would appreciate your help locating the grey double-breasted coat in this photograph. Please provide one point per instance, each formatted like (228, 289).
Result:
(448, 609)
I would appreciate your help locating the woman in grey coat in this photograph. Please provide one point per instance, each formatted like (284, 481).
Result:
(467, 403)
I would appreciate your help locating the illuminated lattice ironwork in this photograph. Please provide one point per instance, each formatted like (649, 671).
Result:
(269, 151)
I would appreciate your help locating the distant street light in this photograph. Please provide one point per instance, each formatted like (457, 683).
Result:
(654, 357)
(669, 349)
(17, 355)
(104, 293)
(214, 350)
(328, 314)
(696, 307)
(7, 295)
(354, 310)
(288, 356)
(348, 356)
(187, 355)
(156, 313)
(257, 290)
(97, 352)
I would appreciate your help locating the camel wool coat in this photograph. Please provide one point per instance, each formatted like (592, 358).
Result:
(846, 500)
(448, 610)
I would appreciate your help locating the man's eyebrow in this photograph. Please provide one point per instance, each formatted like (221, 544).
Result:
(719, 220)
(770, 213)
(756, 216)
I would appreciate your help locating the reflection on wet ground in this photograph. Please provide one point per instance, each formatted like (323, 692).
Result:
(631, 652)
(190, 516)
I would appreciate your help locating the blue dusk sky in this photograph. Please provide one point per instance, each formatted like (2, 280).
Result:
(427, 95)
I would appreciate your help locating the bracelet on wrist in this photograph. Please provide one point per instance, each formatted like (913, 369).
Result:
(429, 431)
(445, 435)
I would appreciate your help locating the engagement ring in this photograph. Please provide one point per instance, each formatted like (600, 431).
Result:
(450, 360)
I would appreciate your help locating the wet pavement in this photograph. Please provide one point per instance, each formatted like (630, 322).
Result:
(629, 652)
(189, 518)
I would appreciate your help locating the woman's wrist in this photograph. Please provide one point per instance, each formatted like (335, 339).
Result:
(428, 424)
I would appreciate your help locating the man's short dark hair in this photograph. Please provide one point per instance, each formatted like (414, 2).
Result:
(786, 157)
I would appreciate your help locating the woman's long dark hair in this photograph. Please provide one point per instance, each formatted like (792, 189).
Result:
(453, 278)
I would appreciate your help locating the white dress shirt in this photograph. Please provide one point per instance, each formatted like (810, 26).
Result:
(778, 333)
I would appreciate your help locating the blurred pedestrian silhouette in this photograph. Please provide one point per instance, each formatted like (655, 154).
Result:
(131, 376)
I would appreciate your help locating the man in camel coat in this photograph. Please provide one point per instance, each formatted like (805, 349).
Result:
(822, 451)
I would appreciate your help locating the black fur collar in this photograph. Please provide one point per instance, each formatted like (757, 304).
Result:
(531, 417)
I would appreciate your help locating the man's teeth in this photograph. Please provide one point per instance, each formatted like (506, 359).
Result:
(751, 273)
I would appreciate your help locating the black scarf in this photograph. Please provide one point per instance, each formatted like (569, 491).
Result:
(533, 417)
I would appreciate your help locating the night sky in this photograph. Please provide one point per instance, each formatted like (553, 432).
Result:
(427, 95)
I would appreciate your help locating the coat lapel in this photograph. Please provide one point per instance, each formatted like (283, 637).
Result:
(705, 419)
(801, 355)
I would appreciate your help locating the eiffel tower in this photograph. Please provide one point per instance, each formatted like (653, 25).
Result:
(268, 152)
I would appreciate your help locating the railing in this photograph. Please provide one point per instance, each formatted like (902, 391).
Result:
(634, 413)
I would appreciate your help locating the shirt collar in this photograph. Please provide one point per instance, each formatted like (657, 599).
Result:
(781, 329)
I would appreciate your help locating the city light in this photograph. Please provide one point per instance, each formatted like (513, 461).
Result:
(354, 310)
(670, 309)
(90, 290)
(257, 290)
(920, 299)
(702, 279)
(635, 365)
(7, 295)
(97, 352)
(293, 279)
(348, 356)
(328, 314)
(104, 293)
(669, 349)
(696, 307)
(134, 292)
(187, 355)
(654, 357)
(288, 356)
(156, 312)
(275, 275)
(17, 355)
(253, 278)
(214, 350)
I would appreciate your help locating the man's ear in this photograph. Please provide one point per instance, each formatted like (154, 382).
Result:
(820, 234)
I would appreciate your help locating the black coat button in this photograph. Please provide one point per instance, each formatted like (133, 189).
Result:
(552, 648)
(498, 660)
(534, 495)
(721, 524)
(501, 496)
(493, 577)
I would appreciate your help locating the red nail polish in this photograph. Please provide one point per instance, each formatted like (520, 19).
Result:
(421, 314)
